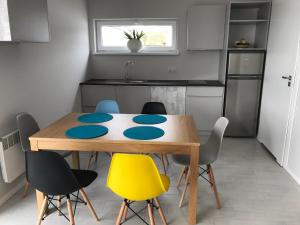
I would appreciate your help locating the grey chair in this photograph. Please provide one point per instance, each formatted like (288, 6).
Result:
(27, 127)
(208, 154)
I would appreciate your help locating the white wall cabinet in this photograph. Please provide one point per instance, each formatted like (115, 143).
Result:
(131, 99)
(206, 27)
(205, 104)
(24, 20)
(92, 94)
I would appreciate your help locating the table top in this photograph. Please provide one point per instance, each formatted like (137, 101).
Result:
(179, 130)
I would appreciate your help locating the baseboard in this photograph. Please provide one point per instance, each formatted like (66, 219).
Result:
(12, 192)
(293, 175)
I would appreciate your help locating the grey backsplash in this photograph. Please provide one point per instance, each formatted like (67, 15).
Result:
(189, 66)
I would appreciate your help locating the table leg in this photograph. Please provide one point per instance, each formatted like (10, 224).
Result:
(39, 195)
(75, 160)
(192, 213)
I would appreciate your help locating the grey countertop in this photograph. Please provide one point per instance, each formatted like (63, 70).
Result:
(132, 82)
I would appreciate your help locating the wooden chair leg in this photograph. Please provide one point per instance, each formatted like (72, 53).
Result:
(26, 189)
(96, 157)
(167, 159)
(163, 162)
(125, 212)
(90, 160)
(160, 211)
(150, 212)
(119, 218)
(183, 172)
(91, 208)
(214, 185)
(185, 188)
(42, 212)
(70, 211)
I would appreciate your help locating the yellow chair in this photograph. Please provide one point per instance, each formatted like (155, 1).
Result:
(135, 177)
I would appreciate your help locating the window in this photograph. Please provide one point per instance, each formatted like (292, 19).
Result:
(160, 35)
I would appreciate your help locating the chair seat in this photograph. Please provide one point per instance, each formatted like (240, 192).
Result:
(166, 181)
(205, 158)
(85, 177)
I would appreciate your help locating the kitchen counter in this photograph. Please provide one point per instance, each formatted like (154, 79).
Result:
(133, 82)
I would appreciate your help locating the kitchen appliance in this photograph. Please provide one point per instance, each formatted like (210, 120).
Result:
(243, 92)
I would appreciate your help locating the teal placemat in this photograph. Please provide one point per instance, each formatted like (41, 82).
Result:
(95, 118)
(86, 132)
(149, 119)
(143, 133)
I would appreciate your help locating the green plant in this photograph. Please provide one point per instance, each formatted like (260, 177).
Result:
(134, 34)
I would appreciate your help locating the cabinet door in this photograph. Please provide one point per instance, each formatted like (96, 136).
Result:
(205, 104)
(172, 97)
(28, 20)
(92, 94)
(206, 27)
(131, 99)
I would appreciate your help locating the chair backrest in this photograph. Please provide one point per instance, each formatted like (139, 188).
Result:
(107, 106)
(214, 143)
(49, 173)
(154, 108)
(27, 127)
(134, 177)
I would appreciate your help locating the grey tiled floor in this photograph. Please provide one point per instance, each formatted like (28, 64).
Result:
(254, 190)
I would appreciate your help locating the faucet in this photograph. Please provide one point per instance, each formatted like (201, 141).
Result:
(127, 65)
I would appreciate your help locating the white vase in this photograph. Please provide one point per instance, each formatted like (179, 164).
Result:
(134, 45)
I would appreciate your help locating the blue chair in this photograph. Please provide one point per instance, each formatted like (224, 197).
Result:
(105, 106)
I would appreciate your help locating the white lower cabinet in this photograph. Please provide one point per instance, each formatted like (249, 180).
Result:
(205, 104)
(172, 97)
(131, 99)
(92, 94)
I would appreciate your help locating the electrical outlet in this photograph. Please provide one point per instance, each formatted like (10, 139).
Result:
(171, 69)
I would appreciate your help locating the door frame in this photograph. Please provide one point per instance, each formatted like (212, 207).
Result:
(295, 87)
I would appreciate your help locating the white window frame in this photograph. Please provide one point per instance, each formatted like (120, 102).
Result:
(98, 49)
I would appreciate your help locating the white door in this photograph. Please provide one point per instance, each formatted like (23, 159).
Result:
(281, 58)
(292, 158)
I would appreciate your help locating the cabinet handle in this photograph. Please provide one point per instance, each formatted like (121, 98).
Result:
(287, 77)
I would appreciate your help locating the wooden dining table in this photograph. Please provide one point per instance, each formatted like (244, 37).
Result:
(180, 138)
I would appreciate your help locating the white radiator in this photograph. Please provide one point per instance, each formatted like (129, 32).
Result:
(11, 157)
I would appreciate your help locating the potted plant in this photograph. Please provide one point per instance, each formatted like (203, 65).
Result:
(134, 40)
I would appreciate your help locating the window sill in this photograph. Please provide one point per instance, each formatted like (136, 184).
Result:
(175, 52)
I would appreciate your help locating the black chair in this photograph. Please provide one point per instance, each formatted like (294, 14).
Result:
(154, 108)
(27, 127)
(157, 108)
(49, 173)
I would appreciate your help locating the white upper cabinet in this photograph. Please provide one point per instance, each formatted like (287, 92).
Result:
(206, 27)
(24, 20)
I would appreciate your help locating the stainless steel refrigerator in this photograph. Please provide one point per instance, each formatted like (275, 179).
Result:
(243, 92)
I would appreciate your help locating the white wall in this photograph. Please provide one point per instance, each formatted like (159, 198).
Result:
(43, 78)
(190, 65)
